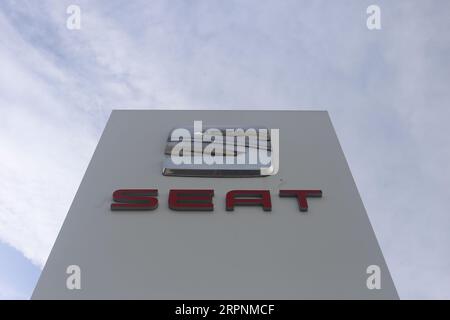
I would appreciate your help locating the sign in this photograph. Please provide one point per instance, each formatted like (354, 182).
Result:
(289, 226)
(201, 200)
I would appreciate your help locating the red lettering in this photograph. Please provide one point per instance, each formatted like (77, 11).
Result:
(201, 199)
(191, 200)
(301, 196)
(248, 198)
(135, 199)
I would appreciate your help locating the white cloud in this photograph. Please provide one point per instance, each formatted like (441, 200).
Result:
(9, 293)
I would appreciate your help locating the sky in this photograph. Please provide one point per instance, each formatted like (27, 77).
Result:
(386, 91)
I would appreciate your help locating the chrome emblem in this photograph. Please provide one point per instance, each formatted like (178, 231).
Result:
(221, 152)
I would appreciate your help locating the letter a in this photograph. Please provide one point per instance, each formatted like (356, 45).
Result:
(74, 280)
(374, 18)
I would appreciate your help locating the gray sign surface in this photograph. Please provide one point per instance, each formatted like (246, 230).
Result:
(244, 254)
